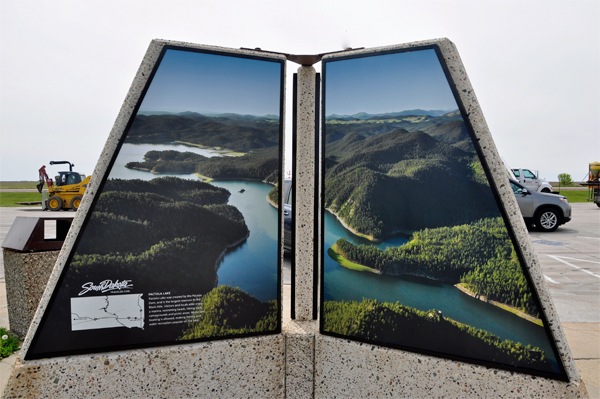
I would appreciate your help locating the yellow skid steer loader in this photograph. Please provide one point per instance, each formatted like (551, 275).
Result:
(64, 193)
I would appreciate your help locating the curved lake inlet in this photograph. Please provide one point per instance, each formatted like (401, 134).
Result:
(423, 294)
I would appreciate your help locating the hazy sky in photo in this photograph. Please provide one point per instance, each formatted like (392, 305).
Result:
(211, 83)
(387, 83)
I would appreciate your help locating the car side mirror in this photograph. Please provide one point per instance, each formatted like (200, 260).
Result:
(526, 192)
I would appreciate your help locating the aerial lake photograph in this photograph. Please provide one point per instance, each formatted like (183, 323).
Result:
(416, 252)
(186, 224)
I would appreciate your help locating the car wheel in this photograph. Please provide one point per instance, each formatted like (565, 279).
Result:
(55, 203)
(546, 190)
(547, 220)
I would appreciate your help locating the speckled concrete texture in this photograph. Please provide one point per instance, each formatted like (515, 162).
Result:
(250, 371)
(26, 275)
(304, 170)
(500, 180)
(240, 368)
(346, 369)
(300, 358)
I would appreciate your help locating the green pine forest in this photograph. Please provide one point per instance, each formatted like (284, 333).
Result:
(232, 131)
(227, 311)
(396, 324)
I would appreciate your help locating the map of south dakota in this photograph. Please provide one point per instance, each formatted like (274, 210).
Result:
(107, 311)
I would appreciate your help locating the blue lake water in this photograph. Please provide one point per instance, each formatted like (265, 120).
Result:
(252, 266)
(349, 285)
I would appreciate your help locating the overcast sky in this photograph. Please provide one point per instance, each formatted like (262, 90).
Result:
(66, 66)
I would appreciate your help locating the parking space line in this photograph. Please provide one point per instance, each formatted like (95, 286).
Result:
(573, 266)
(552, 281)
(581, 260)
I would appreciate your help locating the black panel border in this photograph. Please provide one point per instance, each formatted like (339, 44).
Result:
(317, 199)
(294, 175)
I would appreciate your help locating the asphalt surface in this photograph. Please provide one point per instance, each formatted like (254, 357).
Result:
(570, 260)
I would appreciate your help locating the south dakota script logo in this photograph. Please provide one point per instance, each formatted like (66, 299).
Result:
(106, 286)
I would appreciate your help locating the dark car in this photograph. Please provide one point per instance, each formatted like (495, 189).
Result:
(545, 211)
(287, 215)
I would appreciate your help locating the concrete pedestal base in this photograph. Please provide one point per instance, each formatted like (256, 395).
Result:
(26, 276)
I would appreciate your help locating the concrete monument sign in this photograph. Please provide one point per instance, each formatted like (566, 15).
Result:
(135, 307)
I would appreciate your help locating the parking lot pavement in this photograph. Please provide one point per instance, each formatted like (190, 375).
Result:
(570, 260)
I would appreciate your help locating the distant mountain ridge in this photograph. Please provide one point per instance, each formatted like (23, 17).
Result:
(448, 128)
(365, 116)
(211, 114)
(231, 131)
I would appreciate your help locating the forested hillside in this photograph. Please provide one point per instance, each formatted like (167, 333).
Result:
(230, 311)
(231, 131)
(402, 180)
(428, 330)
(139, 227)
(479, 254)
(449, 124)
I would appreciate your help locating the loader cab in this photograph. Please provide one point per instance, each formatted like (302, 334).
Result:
(68, 178)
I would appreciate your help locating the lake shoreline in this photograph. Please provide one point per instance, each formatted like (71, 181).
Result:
(215, 150)
(404, 233)
(462, 287)
(352, 230)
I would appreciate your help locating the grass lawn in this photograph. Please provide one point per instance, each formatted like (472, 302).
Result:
(18, 184)
(9, 345)
(9, 199)
(575, 195)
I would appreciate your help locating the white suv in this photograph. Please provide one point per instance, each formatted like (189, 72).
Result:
(546, 211)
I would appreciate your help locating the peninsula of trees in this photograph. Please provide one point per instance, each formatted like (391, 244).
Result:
(479, 254)
(261, 164)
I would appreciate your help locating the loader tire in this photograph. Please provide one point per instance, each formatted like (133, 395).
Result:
(75, 202)
(55, 203)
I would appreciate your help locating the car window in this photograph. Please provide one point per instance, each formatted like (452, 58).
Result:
(516, 189)
(528, 174)
(516, 172)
